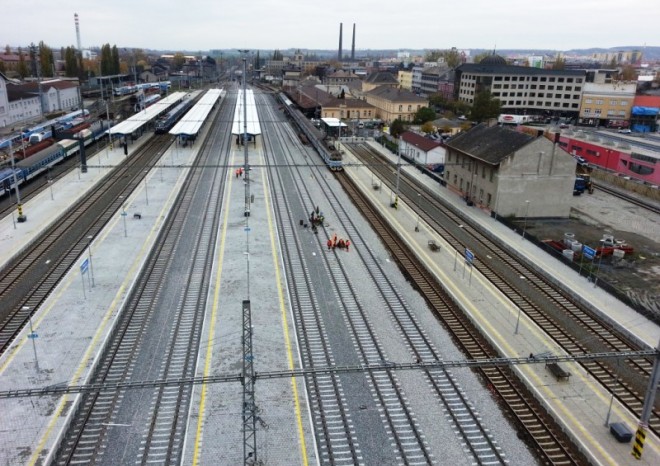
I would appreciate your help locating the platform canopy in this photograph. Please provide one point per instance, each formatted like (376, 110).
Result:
(253, 126)
(334, 123)
(137, 121)
(192, 121)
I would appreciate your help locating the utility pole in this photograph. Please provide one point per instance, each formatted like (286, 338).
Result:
(245, 136)
(83, 158)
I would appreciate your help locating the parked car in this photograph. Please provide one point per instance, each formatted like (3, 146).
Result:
(625, 131)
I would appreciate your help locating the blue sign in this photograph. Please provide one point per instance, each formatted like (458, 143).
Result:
(33, 335)
(588, 252)
(84, 266)
(248, 229)
(469, 255)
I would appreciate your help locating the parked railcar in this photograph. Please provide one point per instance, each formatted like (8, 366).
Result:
(31, 167)
(167, 121)
(332, 159)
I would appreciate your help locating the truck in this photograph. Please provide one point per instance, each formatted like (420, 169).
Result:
(505, 119)
(582, 184)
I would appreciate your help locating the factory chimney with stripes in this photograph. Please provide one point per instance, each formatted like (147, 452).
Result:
(339, 52)
(353, 45)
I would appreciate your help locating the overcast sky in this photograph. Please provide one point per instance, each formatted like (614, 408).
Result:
(200, 25)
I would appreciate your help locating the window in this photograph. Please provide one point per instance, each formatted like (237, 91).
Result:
(612, 102)
(587, 111)
(492, 172)
(489, 198)
(623, 103)
(551, 88)
(401, 108)
(599, 101)
(542, 86)
(588, 101)
(552, 80)
(483, 171)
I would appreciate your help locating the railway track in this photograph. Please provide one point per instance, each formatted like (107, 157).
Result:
(575, 328)
(138, 340)
(41, 183)
(478, 442)
(547, 436)
(336, 439)
(635, 200)
(29, 278)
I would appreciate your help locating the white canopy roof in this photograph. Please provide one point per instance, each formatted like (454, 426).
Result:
(253, 126)
(193, 120)
(150, 113)
(333, 122)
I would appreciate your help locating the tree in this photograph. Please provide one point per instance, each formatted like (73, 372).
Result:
(424, 114)
(115, 60)
(178, 61)
(106, 60)
(559, 64)
(70, 62)
(397, 127)
(46, 59)
(23, 70)
(428, 128)
(433, 55)
(484, 107)
(452, 57)
(277, 56)
(628, 73)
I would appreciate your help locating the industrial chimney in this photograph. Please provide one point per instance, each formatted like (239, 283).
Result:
(353, 45)
(339, 53)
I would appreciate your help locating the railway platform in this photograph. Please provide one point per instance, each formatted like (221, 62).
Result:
(568, 392)
(61, 345)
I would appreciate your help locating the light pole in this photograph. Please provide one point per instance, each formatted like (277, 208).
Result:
(246, 168)
(32, 336)
(419, 197)
(89, 251)
(395, 204)
(525, 221)
(21, 216)
(515, 332)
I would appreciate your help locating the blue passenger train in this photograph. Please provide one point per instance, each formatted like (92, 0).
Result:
(27, 169)
(332, 159)
(165, 122)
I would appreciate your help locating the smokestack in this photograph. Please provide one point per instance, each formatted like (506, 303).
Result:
(353, 45)
(75, 18)
(339, 53)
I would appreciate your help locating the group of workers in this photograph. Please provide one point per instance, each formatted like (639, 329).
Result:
(340, 243)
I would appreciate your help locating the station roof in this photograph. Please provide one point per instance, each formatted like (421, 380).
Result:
(193, 120)
(253, 126)
(132, 124)
(333, 122)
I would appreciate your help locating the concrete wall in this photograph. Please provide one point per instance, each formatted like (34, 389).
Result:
(540, 173)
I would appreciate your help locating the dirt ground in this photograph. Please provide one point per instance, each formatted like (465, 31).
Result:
(592, 216)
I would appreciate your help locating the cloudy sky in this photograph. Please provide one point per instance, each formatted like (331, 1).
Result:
(194, 25)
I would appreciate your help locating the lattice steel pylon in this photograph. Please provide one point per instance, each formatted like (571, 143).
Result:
(249, 406)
